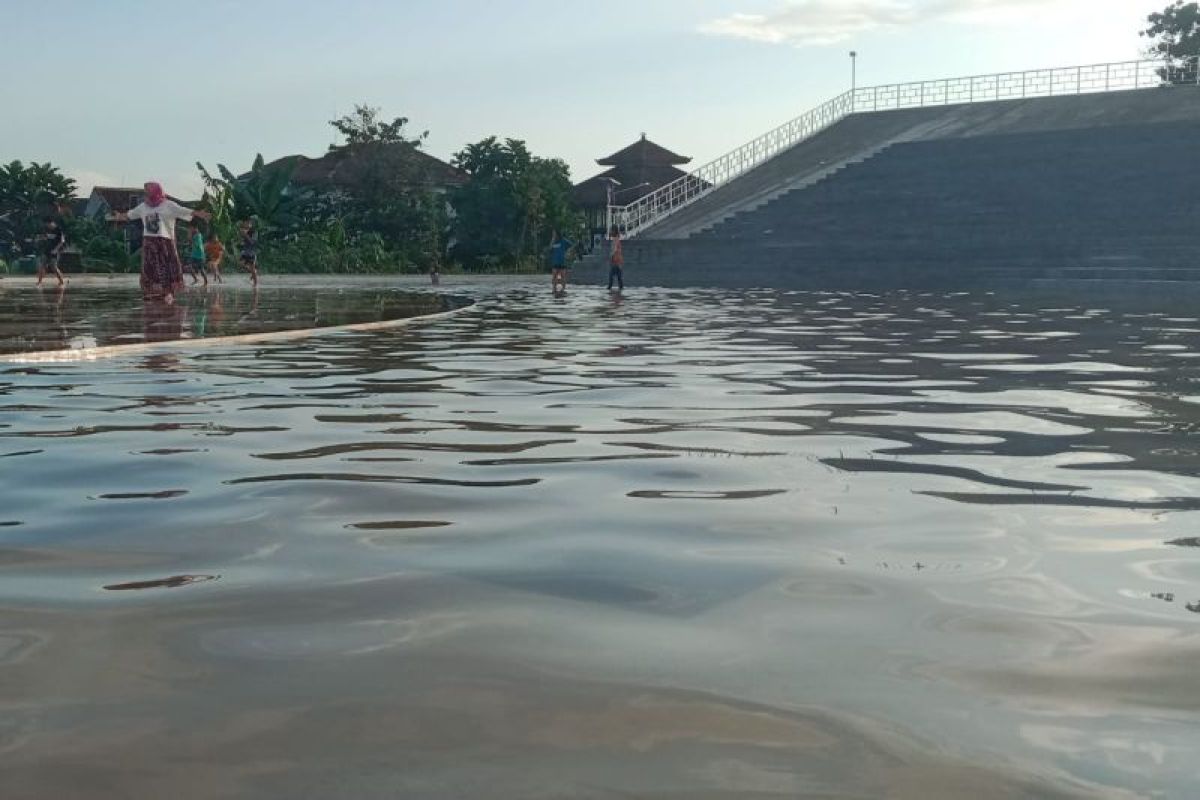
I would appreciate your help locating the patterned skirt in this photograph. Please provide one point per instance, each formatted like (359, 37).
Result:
(162, 274)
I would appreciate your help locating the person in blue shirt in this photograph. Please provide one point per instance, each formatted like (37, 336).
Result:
(560, 248)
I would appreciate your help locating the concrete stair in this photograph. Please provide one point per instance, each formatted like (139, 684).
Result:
(927, 205)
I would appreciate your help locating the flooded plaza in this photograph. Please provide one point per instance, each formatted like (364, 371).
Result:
(681, 544)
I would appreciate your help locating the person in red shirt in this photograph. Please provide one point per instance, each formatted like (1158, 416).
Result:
(616, 259)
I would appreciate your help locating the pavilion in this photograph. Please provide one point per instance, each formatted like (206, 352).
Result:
(633, 173)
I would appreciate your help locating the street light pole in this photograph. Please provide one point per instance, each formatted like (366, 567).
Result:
(853, 70)
(608, 217)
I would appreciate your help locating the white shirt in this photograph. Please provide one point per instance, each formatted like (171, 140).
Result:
(159, 220)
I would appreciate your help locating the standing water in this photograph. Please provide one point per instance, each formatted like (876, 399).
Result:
(691, 544)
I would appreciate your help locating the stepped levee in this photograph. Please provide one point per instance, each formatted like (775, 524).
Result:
(1079, 187)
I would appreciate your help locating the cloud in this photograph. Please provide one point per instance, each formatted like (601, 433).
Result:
(823, 22)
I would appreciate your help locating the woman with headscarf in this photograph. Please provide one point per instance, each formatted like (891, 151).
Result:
(162, 272)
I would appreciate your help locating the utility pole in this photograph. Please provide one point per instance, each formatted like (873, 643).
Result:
(853, 70)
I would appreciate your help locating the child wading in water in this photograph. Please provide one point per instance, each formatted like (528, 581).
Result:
(53, 244)
(248, 250)
(616, 259)
(214, 252)
(196, 256)
(560, 247)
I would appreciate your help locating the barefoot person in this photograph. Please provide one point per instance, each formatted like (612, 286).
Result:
(214, 254)
(560, 248)
(53, 243)
(616, 259)
(162, 274)
(196, 262)
(248, 250)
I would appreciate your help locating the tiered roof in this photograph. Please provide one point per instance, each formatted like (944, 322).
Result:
(638, 170)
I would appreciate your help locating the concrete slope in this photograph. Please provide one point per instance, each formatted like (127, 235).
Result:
(862, 136)
(1098, 188)
(852, 140)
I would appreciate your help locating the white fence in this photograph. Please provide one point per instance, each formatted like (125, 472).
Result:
(660, 204)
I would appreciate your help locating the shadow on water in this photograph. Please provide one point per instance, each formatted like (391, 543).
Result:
(165, 583)
(688, 544)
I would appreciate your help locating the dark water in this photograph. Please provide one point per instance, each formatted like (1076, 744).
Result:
(689, 545)
(75, 319)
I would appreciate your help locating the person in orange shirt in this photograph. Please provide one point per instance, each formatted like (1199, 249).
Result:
(214, 253)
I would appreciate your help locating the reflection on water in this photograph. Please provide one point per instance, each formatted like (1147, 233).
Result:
(63, 319)
(692, 544)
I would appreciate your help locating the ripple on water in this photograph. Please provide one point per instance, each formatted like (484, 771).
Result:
(925, 545)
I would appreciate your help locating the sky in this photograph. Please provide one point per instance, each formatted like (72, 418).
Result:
(117, 92)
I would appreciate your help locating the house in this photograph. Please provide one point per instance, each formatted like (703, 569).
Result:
(107, 200)
(347, 167)
(634, 172)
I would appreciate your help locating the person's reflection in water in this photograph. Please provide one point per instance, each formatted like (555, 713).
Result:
(54, 336)
(161, 321)
(250, 315)
(199, 309)
(60, 297)
(161, 362)
(216, 311)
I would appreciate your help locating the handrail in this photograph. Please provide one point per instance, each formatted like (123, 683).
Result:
(1118, 76)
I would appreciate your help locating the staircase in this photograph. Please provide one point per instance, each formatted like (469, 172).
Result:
(1091, 187)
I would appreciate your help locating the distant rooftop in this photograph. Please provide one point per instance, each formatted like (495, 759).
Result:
(119, 199)
(345, 166)
(643, 152)
(634, 171)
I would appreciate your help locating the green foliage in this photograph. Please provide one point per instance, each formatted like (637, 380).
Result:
(365, 127)
(513, 199)
(380, 209)
(28, 196)
(218, 202)
(261, 194)
(382, 189)
(102, 247)
(330, 252)
(1175, 32)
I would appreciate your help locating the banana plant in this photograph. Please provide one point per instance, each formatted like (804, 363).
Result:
(261, 194)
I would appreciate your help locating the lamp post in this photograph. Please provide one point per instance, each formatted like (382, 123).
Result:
(609, 183)
(853, 70)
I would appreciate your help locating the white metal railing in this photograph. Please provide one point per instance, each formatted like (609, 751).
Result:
(662, 203)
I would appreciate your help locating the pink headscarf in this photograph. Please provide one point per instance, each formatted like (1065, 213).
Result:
(154, 193)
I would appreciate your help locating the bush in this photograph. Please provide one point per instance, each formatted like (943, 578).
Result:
(313, 252)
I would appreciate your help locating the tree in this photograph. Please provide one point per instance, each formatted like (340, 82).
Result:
(486, 209)
(1175, 32)
(28, 196)
(365, 127)
(510, 202)
(379, 185)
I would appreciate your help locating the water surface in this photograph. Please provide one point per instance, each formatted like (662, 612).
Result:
(682, 545)
(69, 318)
